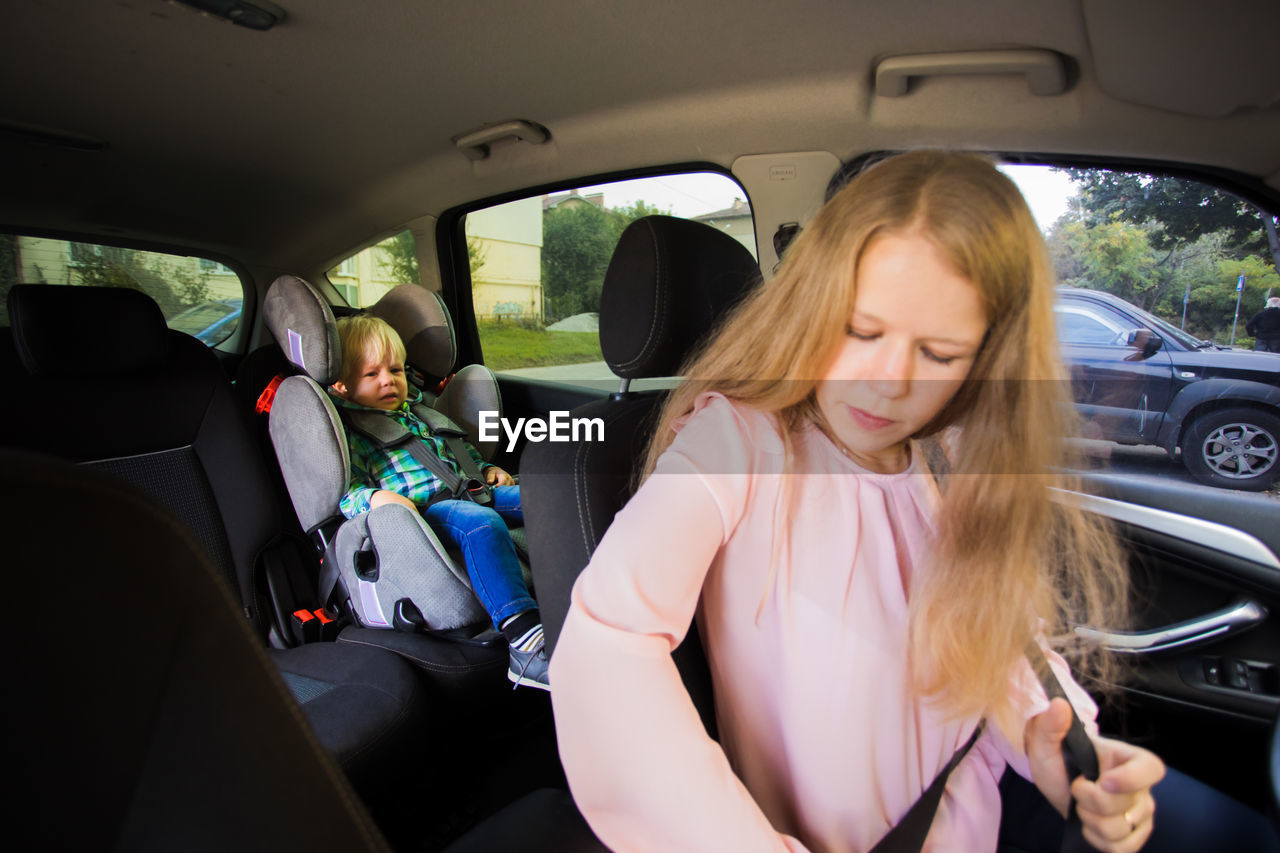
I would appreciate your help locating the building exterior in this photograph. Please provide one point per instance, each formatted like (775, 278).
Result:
(176, 282)
(508, 241)
(735, 221)
(364, 277)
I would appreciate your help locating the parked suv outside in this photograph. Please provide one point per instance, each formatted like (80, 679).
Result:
(1139, 380)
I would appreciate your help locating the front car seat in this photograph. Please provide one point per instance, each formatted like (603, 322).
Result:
(103, 382)
(150, 717)
(669, 282)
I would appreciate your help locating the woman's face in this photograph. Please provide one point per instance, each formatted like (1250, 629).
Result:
(916, 328)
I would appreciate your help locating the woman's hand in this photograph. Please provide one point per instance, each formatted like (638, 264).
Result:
(495, 476)
(1117, 812)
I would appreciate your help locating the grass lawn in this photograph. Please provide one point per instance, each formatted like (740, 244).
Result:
(507, 345)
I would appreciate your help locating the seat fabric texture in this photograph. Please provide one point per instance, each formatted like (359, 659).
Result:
(669, 282)
(153, 408)
(150, 717)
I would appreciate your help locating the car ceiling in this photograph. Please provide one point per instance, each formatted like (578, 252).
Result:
(285, 148)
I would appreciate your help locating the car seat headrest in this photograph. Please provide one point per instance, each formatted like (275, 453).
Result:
(302, 323)
(53, 325)
(420, 318)
(668, 284)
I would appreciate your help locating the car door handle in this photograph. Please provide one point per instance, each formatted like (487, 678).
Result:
(1242, 613)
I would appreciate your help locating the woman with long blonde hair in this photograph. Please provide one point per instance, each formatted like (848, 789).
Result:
(866, 613)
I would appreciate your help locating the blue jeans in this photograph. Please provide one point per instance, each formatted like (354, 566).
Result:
(480, 532)
(1190, 816)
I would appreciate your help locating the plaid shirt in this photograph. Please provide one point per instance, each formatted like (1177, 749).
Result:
(395, 469)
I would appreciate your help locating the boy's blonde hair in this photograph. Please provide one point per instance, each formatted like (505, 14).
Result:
(1007, 562)
(364, 337)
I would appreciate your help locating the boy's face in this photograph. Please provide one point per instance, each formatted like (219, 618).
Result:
(379, 383)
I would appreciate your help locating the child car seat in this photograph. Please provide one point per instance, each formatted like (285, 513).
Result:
(386, 566)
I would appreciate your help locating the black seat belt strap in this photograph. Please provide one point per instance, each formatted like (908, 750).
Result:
(908, 834)
(1078, 753)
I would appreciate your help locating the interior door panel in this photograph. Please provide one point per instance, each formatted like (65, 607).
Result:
(1206, 581)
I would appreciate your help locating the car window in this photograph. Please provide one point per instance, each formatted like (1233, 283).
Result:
(1174, 271)
(537, 265)
(1081, 326)
(199, 296)
(364, 277)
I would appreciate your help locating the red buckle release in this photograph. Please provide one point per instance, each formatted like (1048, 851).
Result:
(268, 396)
(304, 616)
(324, 616)
(439, 389)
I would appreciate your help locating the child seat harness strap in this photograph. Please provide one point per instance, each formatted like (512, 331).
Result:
(388, 433)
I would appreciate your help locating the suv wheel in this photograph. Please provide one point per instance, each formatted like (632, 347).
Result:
(1234, 449)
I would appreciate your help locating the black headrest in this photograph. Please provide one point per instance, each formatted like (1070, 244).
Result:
(86, 331)
(669, 282)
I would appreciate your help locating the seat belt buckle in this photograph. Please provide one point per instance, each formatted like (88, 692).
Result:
(329, 624)
(478, 492)
(304, 626)
(442, 384)
(267, 397)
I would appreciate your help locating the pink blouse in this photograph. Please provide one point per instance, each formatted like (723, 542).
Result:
(822, 747)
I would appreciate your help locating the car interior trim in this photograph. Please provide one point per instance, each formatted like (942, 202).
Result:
(1045, 70)
(1208, 533)
(1241, 614)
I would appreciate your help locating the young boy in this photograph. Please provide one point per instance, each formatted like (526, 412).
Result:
(373, 378)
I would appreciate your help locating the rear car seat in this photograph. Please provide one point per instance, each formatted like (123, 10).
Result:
(311, 447)
(94, 376)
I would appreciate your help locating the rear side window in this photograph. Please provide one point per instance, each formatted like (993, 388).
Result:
(198, 296)
(364, 277)
(537, 265)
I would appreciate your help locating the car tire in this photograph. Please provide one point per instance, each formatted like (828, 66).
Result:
(1237, 448)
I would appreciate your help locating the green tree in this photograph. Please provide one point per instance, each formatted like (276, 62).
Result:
(577, 243)
(1184, 210)
(476, 254)
(400, 258)
(1219, 295)
(1113, 256)
(625, 215)
(174, 286)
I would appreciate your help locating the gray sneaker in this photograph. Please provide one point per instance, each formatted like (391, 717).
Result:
(529, 668)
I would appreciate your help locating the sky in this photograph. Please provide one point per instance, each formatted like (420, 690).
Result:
(703, 192)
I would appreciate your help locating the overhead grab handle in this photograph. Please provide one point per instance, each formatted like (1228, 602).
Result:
(475, 145)
(1045, 70)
